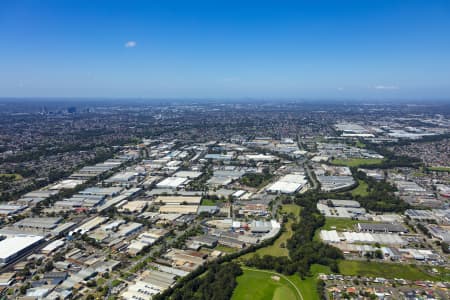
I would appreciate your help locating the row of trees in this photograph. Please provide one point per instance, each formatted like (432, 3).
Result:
(217, 284)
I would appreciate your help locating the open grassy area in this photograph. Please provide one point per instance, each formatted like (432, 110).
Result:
(259, 285)
(356, 162)
(442, 273)
(360, 144)
(439, 169)
(226, 249)
(361, 189)
(340, 224)
(209, 202)
(291, 208)
(385, 270)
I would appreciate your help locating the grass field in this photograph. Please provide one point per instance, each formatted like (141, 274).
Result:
(308, 286)
(385, 270)
(439, 169)
(356, 162)
(361, 189)
(442, 273)
(258, 285)
(209, 202)
(291, 208)
(226, 249)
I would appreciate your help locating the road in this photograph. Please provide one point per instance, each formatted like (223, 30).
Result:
(311, 177)
(277, 274)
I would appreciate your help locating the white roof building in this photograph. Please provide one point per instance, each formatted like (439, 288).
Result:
(14, 246)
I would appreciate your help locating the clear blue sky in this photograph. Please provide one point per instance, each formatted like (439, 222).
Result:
(298, 49)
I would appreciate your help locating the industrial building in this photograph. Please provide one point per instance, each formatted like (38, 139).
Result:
(178, 199)
(14, 246)
(381, 227)
(172, 182)
(288, 184)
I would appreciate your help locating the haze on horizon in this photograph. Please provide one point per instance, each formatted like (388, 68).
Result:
(307, 49)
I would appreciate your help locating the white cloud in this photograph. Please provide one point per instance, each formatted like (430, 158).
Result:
(386, 87)
(130, 44)
(340, 88)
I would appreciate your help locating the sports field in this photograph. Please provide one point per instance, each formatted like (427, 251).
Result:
(265, 285)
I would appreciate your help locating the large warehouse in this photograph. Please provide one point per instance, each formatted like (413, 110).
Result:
(14, 246)
(288, 184)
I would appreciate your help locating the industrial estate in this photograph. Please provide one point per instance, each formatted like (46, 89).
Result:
(273, 201)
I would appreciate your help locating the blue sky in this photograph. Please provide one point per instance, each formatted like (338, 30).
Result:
(288, 49)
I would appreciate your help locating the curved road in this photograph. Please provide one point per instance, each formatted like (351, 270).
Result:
(277, 274)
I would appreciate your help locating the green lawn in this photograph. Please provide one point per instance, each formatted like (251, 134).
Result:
(385, 270)
(356, 162)
(209, 202)
(258, 285)
(439, 169)
(361, 189)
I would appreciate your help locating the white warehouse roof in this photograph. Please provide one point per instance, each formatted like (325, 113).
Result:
(14, 244)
